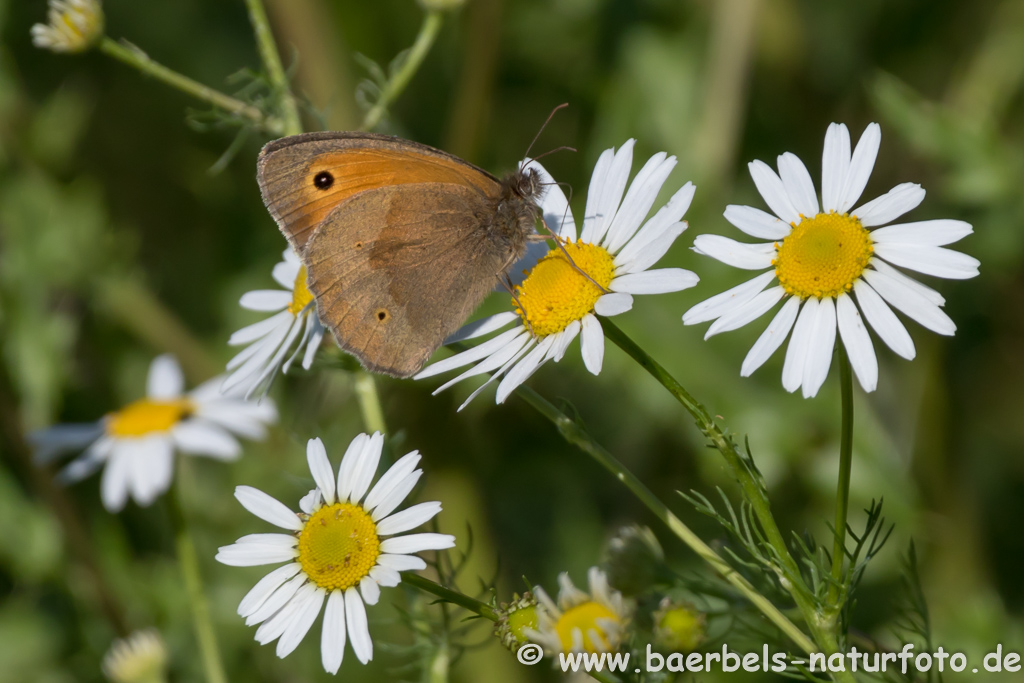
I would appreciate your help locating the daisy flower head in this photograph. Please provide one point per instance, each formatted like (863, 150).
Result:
(581, 278)
(274, 343)
(137, 443)
(73, 26)
(832, 264)
(139, 658)
(342, 547)
(580, 621)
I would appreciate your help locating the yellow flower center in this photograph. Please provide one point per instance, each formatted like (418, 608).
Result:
(338, 546)
(301, 295)
(823, 256)
(525, 617)
(147, 416)
(584, 617)
(555, 293)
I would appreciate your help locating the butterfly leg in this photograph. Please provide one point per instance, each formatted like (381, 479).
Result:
(506, 281)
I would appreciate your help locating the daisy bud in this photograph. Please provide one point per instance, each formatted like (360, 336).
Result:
(514, 617)
(73, 26)
(678, 626)
(139, 658)
(634, 559)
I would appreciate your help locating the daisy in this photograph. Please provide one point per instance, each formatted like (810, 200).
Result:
(557, 302)
(294, 329)
(74, 25)
(334, 549)
(137, 443)
(139, 658)
(833, 264)
(581, 622)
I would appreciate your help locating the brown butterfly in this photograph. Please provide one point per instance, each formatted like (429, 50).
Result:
(401, 242)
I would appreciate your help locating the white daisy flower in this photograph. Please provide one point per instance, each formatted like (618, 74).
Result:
(581, 622)
(833, 265)
(139, 658)
(556, 302)
(295, 329)
(335, 550)
(137, 443)
(74, 25)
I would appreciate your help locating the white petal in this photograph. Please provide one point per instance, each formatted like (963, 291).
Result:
(655, 281)
(235, 417)
(799, 346)
(407, 519)
(358, 633)
(798, 184)
(348, 465)
(823, 343)
(153, 471)
(613, 304)
(385, 576)
(773, 191)
(736, 254)
(639, 199)
(267, 508)
(390, 479)
(265, 587)
(565, 338)
(937, 261)
(310, 502)
(496, 360)
(204, 438)
(262, 328)
(86, 464)
(748, 312)
(278, 599)
(861, 165)
(592, 344)
(277, 624)
(890, 205)
(595, 193)
(496, 376)
(884, 321)
(921, 288)
(301, 623)
(332, 638)
(771, 339)
(320, 468)
(523, 369)
(553, 204)
(835, 165)
(366, 467)
(266, 300)
(286, 271)
(415, 543)
(857, 342)
(165, 378)
(482, 327)
(396, 495)
(369, 589)
(757, 223)
(472, 355)
(114, 483)
(316, 337)
(910, 302)
(722, 303)
(402, 563)
(934, 233)
(254, 554)
(611, 193)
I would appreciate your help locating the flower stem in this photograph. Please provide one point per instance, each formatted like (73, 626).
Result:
(576, 435)
(275, 69)
(369, 402)
(448, 595)
(136, 58)
(188, 560)
(410, 64)
(843, 487)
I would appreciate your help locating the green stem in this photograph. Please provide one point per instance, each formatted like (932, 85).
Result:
(448, 595)
(369, 402)
(843, 488)
(188, 559)
(396, 84)
(136, 58)
(576, 435)
(275, 69)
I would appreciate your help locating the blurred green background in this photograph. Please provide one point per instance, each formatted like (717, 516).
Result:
(118, 242)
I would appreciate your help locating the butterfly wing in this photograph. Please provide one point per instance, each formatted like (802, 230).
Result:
(395, 270)
(304, 177)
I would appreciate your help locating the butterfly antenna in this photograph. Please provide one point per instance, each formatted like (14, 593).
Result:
(546, 122)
